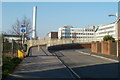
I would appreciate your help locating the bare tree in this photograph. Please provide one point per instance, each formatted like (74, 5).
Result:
(16, 27)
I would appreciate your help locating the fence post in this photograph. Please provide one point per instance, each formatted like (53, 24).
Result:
(1, 49)
(12, 48)
(118, 53)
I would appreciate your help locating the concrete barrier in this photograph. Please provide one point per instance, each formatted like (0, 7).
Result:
(55, 42)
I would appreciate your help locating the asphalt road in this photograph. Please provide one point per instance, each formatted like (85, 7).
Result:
(87, 66)
(41, 65)
(65, 64)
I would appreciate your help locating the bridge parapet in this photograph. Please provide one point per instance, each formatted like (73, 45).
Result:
(53, 42)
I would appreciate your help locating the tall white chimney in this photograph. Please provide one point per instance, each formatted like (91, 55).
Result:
(34, 22)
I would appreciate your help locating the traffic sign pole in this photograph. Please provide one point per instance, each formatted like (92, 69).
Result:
(23, 31)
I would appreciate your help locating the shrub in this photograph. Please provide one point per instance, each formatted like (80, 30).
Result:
(9, 65)
(25, 47)
(108, 37)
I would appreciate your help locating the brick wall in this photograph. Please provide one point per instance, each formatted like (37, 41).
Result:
(85, 45)
(96, 47)
(119, 48)
(105, 47)
(93, 47)
(69, 46)
(112, 48)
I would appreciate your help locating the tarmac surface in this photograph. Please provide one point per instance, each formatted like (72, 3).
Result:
(87, 66)
(45, 65)
(40, 65)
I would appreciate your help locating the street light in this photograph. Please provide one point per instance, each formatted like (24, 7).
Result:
(111, 15)
(117, 33)
(116, 15)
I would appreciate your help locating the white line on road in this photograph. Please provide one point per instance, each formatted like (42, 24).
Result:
(98, 56)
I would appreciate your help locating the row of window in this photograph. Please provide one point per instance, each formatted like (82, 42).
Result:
(106, 32)
(78, 33)
(87, 30)
(106, 28)
(75, 37)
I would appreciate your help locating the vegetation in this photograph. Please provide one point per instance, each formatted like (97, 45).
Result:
(7, 46)
(15, 29)
(9, 56)
(25, 47)
(9, 65)
(108, 37)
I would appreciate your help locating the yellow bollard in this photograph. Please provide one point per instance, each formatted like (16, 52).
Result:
(20, 54)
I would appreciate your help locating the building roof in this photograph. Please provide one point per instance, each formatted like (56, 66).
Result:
(7, 35)
(68, 26)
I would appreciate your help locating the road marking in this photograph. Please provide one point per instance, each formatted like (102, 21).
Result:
(98, 56)
(68, 67)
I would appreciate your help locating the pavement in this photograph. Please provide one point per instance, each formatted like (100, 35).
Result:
(87, 66)
(88, 51)
(41, 64)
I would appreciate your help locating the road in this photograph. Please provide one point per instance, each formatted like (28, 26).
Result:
(87, 66)
(40, 65)
(63, 65)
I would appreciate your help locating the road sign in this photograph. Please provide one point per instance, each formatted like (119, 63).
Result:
(23, 25)
(23, 29)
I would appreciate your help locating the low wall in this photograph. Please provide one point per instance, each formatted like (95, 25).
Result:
(112, 47)
(105, 47)
(58, 44)
(70, 46)
(119, 48)
(96, 47)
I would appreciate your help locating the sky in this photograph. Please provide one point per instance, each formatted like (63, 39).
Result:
(53, 15)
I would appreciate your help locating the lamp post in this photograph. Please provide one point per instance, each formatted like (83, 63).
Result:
(117, 33)
(114, 15)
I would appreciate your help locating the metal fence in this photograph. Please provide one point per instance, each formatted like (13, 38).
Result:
(10, 48)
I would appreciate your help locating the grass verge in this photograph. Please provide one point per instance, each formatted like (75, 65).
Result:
(9, 65)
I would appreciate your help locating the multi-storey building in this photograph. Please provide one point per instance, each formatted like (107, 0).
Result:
(53, 35)
(69, 32)
(103, 30)
(94, 33)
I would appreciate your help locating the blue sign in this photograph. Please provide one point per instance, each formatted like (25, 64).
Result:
(23, 25)
(23, 30)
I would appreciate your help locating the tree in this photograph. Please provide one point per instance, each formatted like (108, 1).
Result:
(16, 27)
(108, 37)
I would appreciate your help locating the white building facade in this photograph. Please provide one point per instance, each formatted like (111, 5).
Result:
(68, 32)
(108, 29)
(95, 33)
